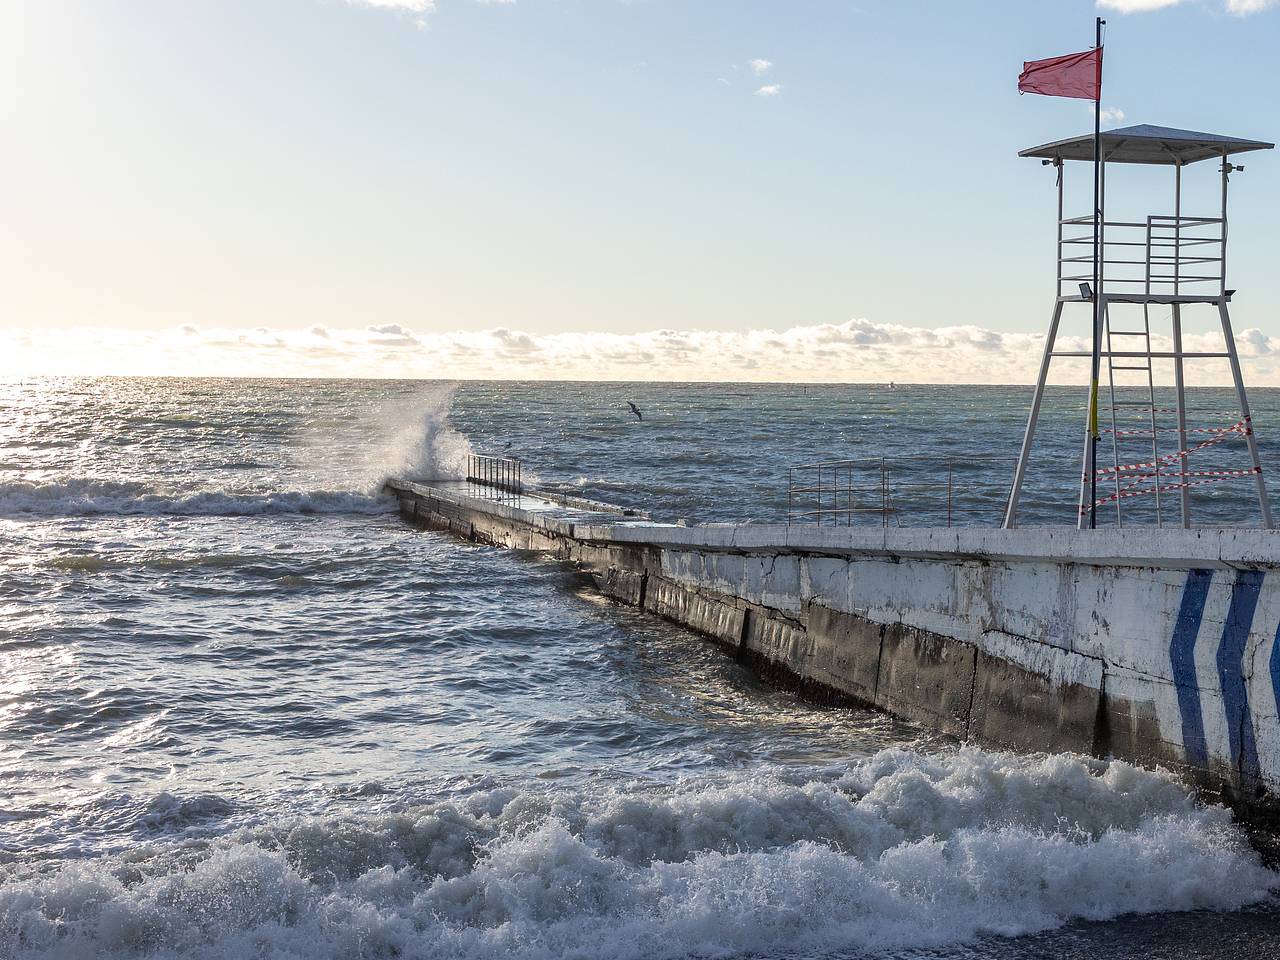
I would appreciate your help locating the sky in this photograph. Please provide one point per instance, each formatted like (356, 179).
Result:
(578, 189)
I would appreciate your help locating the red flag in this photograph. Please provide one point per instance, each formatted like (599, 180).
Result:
(1076, 75)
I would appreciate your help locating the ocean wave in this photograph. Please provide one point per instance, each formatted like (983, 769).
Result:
(418, 442)
(83, 497)
(163, 813)
(899, 851)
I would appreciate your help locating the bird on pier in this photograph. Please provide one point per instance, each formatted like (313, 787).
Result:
(635, 410)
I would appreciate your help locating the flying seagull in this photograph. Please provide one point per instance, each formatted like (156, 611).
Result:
(635, 410)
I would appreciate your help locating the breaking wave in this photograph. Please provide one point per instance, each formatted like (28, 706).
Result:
(80, 497)
(899, 851)
(425, 446)
(338, 467)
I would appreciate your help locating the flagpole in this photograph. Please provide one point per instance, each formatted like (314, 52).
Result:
(1096, 357)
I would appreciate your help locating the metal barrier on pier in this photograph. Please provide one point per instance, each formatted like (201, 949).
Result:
(897, 492)
(504, 474)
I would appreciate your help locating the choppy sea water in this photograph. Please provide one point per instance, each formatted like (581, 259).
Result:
(245, 712)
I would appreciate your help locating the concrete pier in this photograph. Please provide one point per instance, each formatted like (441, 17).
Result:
(1153, 646)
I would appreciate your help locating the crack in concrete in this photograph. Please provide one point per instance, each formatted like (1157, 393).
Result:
(1040, 643)
(973, 686)
(773, 562)
(875, 688)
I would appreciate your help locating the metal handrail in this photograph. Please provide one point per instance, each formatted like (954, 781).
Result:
(1185, 220)
(837, 490)
(904, 458)
(498, 473)
(1163, 251)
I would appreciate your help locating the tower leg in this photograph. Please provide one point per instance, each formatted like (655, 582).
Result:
(1088, 486)
(1086, 489)
(1263, 503)
(1020, 471)
(1111, 392)
(1180, 388)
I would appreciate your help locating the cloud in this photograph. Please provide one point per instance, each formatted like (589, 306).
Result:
(760, 67)
(410, 6)
(388, 334)
(1137, 6)
(1240, 8)
(421, 8)
(857, 350)
(769, 90)
(1109, 114)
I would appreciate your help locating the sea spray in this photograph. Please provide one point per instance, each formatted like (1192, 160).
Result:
(423, 445)
(899, 851)
(412, 439)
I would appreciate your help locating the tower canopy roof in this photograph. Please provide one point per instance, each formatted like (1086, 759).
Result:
(1145, 143)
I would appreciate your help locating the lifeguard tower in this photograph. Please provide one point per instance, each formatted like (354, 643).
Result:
(1168, 264)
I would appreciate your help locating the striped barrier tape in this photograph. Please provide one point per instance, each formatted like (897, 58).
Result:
(1133, 479)
(1241, 427)
(1146, 433)
(1127, 493)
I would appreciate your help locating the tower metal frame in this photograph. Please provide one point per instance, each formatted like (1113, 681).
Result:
(1181, 262)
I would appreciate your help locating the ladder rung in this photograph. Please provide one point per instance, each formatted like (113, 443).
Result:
(1130, 368)
(1128, 333)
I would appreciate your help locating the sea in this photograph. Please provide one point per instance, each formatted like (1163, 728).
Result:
(247, 712)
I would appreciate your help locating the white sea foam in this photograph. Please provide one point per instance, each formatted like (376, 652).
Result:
(421, 444)
(901, 850)
(84, 497)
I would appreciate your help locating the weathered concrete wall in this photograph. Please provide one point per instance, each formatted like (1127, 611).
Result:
(1153, 646)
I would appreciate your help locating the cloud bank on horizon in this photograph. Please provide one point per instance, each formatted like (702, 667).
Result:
(850, 352)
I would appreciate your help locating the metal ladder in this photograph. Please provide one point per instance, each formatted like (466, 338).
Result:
(1132, 364)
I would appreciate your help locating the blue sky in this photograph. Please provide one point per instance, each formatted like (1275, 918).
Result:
(554, 167)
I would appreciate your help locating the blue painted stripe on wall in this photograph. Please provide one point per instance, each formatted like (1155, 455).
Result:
(1235, 696)
(1182, 654)
(1275, 670)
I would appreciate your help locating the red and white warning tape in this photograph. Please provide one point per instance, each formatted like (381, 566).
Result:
(1147, 432)
(1131, 478)
(1125, 494)
(1241, 427)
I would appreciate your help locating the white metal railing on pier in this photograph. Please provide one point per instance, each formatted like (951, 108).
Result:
(898, 491)
(502, 474)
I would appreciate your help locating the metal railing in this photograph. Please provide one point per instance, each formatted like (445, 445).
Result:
(1151, 256)
(505, 474)
(899, 491)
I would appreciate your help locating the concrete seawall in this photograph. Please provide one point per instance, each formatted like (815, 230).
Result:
(1154, 646)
